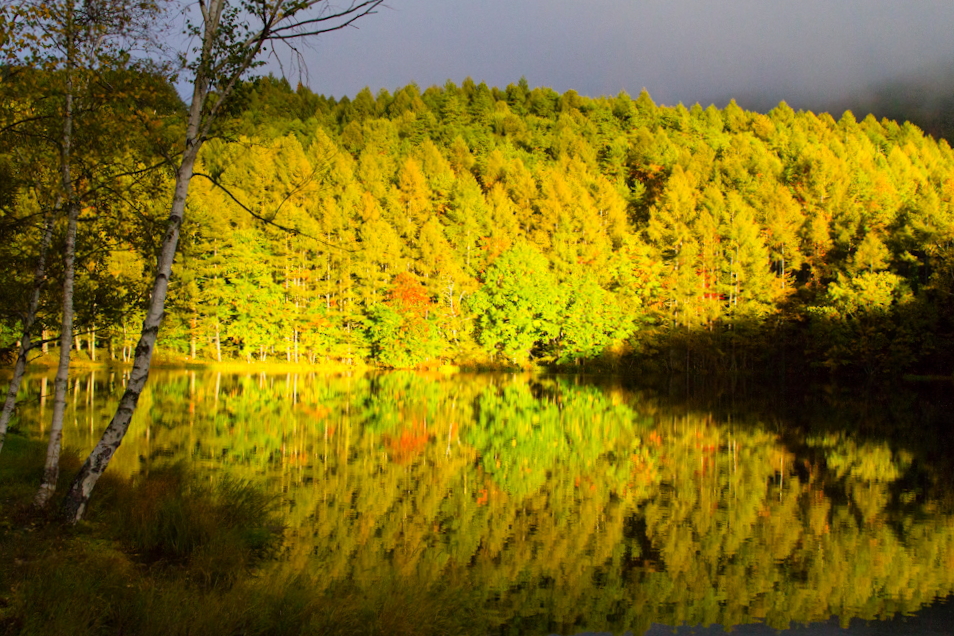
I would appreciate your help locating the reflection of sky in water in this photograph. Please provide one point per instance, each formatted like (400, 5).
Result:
(559, 501)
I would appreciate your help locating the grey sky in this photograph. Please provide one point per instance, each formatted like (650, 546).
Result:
(804, 51)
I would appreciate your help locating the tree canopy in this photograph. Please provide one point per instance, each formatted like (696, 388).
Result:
(557, 229)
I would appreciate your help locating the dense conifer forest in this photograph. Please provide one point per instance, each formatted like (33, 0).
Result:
(486, 226)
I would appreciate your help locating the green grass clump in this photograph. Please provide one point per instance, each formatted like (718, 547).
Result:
(218, 529)
(79, 588)
(21, 469)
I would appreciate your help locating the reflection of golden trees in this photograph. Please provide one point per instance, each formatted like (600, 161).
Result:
(566, 506)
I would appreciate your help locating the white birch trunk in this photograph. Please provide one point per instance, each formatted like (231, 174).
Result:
(193, 325)
(29, 320)
(75, 503)
(51, 470)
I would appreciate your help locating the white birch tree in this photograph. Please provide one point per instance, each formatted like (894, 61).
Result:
(68, 42)
(231, 36)
(56, 47)
(28, 321)
(14, 41)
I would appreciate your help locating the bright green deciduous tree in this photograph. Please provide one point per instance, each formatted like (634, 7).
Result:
(593, 319)
(519, 305)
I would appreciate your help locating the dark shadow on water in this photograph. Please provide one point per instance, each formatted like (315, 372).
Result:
(936, 620)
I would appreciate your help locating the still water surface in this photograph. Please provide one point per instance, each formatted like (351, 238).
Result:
(570, 504)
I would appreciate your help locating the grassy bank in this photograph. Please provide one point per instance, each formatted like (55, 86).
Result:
(171, 554)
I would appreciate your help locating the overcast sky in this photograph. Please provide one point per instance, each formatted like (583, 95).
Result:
(806, 52)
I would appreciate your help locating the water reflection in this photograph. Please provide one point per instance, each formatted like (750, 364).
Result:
(569, 506)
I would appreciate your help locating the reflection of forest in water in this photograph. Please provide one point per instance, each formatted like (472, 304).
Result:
(569, 505)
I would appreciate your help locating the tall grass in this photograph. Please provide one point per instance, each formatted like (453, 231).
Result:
(218, 530)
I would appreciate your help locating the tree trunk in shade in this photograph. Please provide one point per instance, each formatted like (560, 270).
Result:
(39, 275)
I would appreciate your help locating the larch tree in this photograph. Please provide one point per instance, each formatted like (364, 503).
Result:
(232, 37)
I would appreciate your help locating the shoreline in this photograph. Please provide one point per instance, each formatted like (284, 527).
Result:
(48, 364)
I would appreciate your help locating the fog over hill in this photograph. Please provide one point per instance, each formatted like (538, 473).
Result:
(924, 97)
(884, 56)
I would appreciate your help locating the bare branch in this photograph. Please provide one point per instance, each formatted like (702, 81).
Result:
(354, 13)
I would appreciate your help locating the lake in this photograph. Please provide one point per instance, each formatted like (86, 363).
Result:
(566, 504)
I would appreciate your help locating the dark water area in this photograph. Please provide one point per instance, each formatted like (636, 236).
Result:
(569, 504)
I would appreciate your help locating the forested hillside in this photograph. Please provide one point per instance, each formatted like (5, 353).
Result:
(482, 225)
